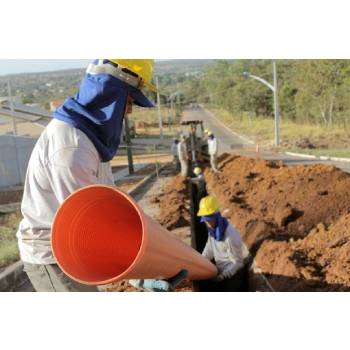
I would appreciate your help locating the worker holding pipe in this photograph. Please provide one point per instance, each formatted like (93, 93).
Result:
(224, 245)
(213, 151)
(74, 151)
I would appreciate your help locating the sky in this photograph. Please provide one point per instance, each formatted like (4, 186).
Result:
(42, 65)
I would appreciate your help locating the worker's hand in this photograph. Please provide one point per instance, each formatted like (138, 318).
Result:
(219, 278)
(177, 279)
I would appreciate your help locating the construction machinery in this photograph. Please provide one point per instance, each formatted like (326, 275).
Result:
(196, 143)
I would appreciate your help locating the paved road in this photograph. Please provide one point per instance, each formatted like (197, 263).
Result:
(230, 142)
(227, 140)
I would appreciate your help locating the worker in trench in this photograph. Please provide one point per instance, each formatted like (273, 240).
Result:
(74, 151)
(224, 246)
(199, 180)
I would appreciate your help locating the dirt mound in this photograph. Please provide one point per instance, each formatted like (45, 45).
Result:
(305, 143)
(266, 197)
(320, 261)
(174, 212)
(287, 210)
(293, 219)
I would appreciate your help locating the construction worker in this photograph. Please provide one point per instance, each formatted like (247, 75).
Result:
(199, 181)
(73, 152)
(224, 245)
(183, 155)
(198, 172)
(175, 154)
(213, 151)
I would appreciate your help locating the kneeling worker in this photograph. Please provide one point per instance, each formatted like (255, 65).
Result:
(224, 244)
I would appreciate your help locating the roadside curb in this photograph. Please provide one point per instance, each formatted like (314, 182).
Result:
(12, 277)
(300, 155)
(133, 192)
(334, 159)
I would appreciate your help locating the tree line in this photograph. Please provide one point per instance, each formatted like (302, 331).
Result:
(310, 91)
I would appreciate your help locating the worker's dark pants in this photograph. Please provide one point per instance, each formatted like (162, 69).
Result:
(237, 283)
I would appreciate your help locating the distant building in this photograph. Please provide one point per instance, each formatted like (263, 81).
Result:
(55, 104)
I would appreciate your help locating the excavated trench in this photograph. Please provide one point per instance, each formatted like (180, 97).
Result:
(294, 220)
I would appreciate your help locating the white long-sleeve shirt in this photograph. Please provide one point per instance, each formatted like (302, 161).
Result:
(229, 253)
(182, 150)
(63, 161)
(212, 146)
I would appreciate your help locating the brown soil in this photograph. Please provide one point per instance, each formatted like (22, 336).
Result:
(294, 219)
(318, 262)
(174, 211)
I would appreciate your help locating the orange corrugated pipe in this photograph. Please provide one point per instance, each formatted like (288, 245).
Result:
(100, 235)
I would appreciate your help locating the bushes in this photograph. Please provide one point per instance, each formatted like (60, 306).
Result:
(310, 91)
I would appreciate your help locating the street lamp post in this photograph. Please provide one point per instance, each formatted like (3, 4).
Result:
(274, 89)
(159, 112)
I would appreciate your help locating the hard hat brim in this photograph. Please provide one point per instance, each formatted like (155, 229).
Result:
(140, 99)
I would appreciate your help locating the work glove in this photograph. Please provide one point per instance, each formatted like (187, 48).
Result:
(219, 278)
(153, 285)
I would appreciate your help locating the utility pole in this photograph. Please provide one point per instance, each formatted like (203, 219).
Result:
(159, 112)
(128, 145)
(276, 107)
(14, 125)
(169, 114)
(15, 133)
(172, 108)
(274, 89)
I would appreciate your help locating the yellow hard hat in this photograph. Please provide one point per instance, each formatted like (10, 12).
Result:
(208, 205)
(197, 170)
(142, 68)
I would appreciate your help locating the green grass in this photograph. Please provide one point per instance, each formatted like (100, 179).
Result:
(330, 152)
(8, 241)
(261, 130)
(148, 115)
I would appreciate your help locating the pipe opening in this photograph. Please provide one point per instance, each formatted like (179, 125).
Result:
(99, 212)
